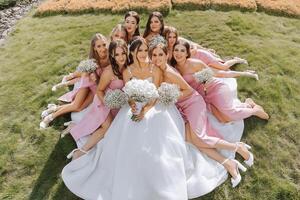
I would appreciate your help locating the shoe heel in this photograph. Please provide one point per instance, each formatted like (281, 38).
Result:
(240, 166)
(248, 146)
(236, 181)
(250, 161)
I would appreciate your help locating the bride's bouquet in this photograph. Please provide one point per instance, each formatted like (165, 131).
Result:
(204, 75)
(115, 99)
(141, 91)
(168, 94)
(88, 66)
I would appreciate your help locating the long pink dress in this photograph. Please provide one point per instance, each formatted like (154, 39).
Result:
(218, 94)
(207, 57)
(193, 110)
(96, 115)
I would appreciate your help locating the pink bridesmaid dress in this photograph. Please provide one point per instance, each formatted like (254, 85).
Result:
(84, 82)
(96, 115)
(207, 57)
(193, 110)
(218, 94)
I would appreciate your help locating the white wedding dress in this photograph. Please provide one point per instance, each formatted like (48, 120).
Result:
(148, 160)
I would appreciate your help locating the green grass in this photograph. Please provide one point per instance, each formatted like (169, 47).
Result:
(41, 50)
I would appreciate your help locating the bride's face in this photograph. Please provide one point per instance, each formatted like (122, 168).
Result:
(141, 53)
(101, 48)
(180, 53)
(120, 56)
(159, 58)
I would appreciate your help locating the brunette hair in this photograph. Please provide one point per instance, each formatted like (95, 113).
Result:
(186, 45)
(136, 44)
(168, 30)
(112, 51)
(137, 18)
(160, 18)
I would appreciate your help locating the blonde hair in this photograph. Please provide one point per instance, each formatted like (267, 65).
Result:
(93, 54)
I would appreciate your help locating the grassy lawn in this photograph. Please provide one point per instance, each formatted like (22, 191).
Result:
(41, 50)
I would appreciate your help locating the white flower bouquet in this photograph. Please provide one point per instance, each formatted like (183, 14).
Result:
(168, 93)
(88, 66)
(140, 91)
(115, 99)
(204, 75)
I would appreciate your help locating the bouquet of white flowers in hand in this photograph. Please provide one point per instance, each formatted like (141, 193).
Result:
(141, 92)
(168, 93)
(88, 66)
(115, 99)
(204, 75)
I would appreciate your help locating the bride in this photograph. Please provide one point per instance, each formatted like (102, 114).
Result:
(136, 160)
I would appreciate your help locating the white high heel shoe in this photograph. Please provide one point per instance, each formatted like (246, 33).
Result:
(70, 155)
(250, 160)
(235, 181)
(66, 131)
(57, 86)
(50, 109)
(46, 121)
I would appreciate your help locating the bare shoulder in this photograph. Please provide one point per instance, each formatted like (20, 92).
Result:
(172, 73)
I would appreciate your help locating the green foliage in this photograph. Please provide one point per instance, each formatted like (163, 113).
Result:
(41, 50)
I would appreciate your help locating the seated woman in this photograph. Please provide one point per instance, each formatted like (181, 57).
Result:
(216, 94)
(84, 89)
(197, 128)
(98, 119)
(199, 52)
(131, 24)
(154, 26)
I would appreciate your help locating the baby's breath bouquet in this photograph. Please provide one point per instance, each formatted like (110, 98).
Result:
(140, 91)
(88, 66)
(115, 99)
(168, 93)
(204, 75)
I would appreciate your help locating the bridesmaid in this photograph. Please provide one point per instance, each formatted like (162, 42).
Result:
(154, 26)
(131, 23)
(193, 110)
(118, 32)
(99, 117)
(209, 58)
(82, 94)
(216, 93)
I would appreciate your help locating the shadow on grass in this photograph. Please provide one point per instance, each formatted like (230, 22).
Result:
(252, 123)
(50, 175)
